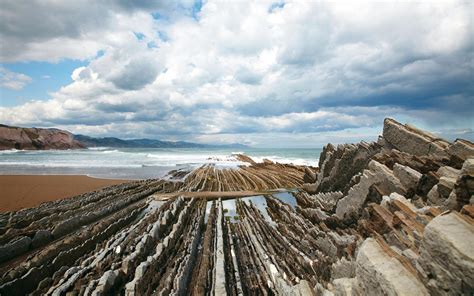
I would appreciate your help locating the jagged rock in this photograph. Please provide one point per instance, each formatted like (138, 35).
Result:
(371, 226)
(445, 186)
(357, 195)
(106, 282)
(468, 167)
(426, 183)
(412, 256)
(468, 210)
(311, 188)
(377, 273)
(344, 286)
(343, 268)
(461, 148)
(434, 197)
(407, 176)
(411, 140)
(309, 176)
(339, 165)
(402, 199)
(449, 172)
(447, 255)
(244, 158)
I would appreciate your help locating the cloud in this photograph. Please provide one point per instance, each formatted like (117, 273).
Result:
(12, 80)
(247, 76)
(53, 30)
(135, 74)
(247, 69)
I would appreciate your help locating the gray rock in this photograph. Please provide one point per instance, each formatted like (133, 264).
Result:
(412, 256)
(66, 226)
(41, 238)
(357, 195)
(447, 171)
(433, 196)
(447, 255)
(445, 186)
(343, 268)
(15, 248)
(468, 167)
(407, 176)
(343, 286)
(106, 283)
(339, 165)
(461, 149)
(411, 140)
(377, 273)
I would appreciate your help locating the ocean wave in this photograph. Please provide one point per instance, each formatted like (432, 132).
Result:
(111, 151)
(98, 148)
(102, 158)
(68, 165)
(10, 151)
(283, 160)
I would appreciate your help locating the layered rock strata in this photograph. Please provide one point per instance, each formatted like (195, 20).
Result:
(375, 219)
(36, 139)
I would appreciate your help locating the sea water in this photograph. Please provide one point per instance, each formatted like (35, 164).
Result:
(140, 163)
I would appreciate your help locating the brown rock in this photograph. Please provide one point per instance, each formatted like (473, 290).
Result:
(36, 139)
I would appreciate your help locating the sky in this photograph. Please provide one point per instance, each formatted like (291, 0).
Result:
(261, 73)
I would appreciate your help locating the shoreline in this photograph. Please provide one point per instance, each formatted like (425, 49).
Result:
(25, 191)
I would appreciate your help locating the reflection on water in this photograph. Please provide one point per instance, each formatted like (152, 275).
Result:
(286, 197)
(259, 202)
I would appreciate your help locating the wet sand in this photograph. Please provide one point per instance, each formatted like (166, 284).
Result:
(25, 191)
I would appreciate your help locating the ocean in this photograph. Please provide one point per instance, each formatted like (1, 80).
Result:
(139, 163)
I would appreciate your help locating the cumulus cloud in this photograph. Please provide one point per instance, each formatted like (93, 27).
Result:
(137, 73)
(247, 69)
(12, 80)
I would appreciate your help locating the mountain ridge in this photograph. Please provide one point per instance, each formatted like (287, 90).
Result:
(146, 143)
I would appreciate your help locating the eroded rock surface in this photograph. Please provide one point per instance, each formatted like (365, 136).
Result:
(388, 218)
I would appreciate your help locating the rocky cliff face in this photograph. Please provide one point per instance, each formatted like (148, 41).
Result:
(385, 218)
(36, 139)
(409, 200)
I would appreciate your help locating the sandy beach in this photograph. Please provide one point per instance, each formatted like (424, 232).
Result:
(24, 191)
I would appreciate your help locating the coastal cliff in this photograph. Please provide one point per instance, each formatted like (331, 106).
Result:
(36, 139)
(393, 217)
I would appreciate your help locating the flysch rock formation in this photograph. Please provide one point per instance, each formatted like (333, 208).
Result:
(394, 217)
(36, 139)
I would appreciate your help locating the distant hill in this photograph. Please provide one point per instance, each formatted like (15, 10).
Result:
(12, 137)
(144, 143)
(23, 138)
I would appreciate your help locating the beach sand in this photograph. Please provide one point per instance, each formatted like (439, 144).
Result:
(25, 191)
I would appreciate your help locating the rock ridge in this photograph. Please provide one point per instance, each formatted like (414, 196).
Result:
(395, 217)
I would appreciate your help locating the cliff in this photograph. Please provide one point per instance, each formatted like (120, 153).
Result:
(36, 139)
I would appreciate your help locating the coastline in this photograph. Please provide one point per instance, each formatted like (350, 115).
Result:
(25, 191)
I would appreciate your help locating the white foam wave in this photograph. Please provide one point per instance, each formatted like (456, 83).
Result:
(98, 148)
(10, 151)
(69, 165)
(110, 151)
(103, 158)
(283, 160)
